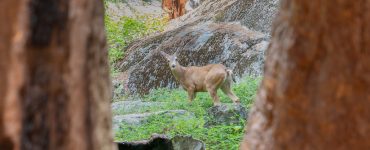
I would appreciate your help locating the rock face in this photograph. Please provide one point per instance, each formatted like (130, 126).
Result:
(192, 4)
(254, 14)
(187, 143)
(125, 107)
(231, 44)
(118, 90)
(226, 115)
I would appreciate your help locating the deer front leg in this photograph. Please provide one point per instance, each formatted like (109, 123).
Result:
(191, 95)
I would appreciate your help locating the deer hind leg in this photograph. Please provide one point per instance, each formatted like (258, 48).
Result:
(212, 85)
(216, 99)
(226, 88)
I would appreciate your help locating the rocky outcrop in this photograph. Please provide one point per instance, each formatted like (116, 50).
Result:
(136, 106)
(231, 44)
(192, 4)
(226, 115)
(118, 90)
(254, 14)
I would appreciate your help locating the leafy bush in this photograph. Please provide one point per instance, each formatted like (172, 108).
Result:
(216, 137)
(127, 29)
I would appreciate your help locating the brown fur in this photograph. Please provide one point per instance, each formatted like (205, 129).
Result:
(207, 78)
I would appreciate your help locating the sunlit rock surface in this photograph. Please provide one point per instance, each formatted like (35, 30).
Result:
(255, 14)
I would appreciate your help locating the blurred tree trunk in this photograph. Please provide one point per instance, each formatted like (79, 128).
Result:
(174, 8)
(316, 88)
(54, 75)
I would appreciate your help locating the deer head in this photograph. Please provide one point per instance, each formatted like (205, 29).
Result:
(171, 59)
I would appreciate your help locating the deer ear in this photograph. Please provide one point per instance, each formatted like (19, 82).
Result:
(176, 53)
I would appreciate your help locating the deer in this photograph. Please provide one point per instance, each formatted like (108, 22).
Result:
(207, 78)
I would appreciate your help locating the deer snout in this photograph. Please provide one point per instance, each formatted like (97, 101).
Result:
(173, 66)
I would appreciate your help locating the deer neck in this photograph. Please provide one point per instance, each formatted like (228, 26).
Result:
(179, 73)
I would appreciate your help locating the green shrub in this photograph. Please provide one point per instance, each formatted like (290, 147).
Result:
(128, 29)
(115, 39)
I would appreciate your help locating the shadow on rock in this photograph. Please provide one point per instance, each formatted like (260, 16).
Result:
(162, 142)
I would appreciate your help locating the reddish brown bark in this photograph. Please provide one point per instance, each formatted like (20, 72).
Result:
(6, 31)
(316, 88)
(174, 8)
(54, 78)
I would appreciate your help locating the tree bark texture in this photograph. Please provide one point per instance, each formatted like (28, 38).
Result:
(316, 88)
(54, 75)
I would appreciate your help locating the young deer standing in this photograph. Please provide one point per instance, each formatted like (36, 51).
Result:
(202, 79)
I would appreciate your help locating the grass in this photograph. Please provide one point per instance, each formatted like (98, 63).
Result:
(128, 29)
(216, 138)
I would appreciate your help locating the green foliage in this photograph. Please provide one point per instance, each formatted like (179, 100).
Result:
(115, 39)
(216, 137)
(128, 29)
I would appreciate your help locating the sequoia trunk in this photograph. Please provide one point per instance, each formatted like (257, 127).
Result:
(174, 8)
(54, 75)
(316, 88)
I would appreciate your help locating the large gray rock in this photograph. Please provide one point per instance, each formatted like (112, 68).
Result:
(137, 106)
(187, 143)
(226, 115)
(118, 90)
(255, 14)
(192, 4)
(138, 119)
(231, 44)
